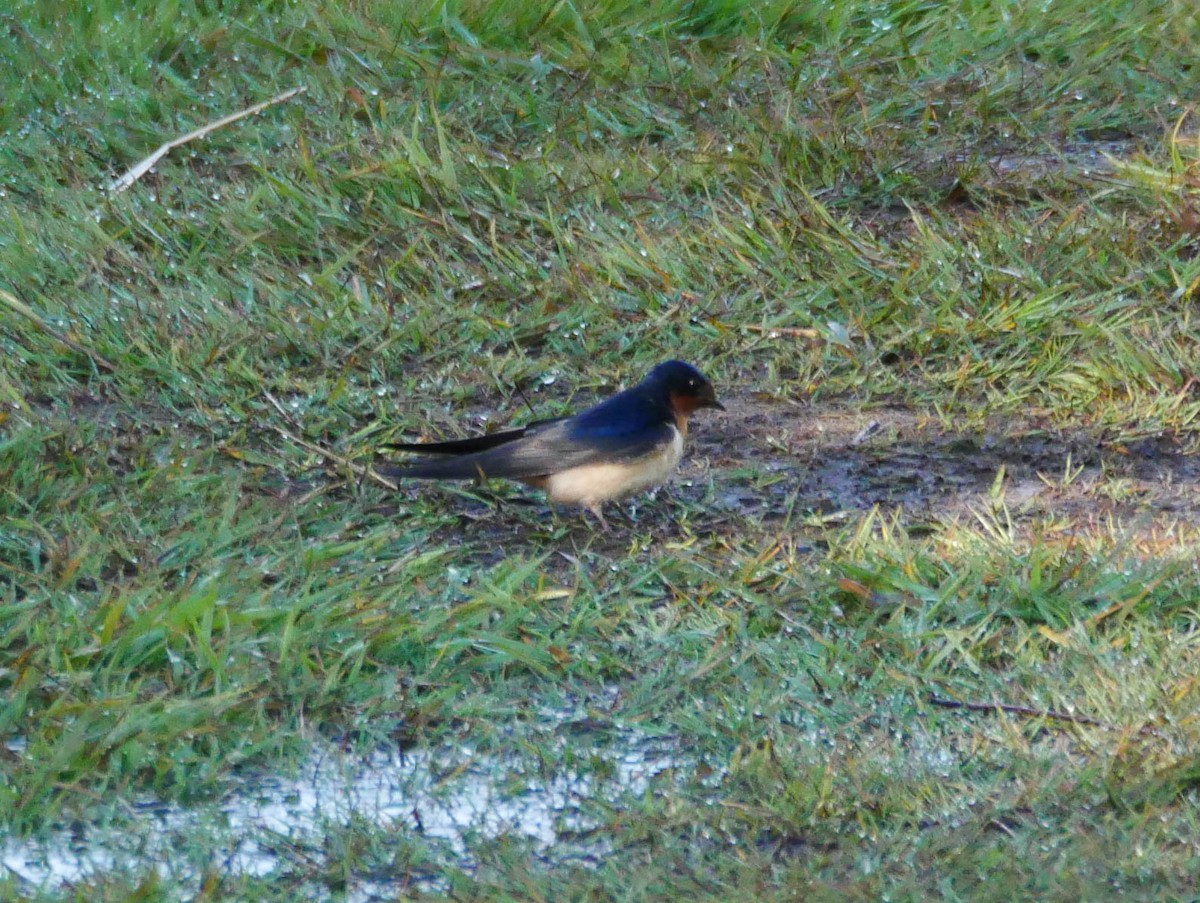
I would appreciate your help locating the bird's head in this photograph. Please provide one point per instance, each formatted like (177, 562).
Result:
(685, 386)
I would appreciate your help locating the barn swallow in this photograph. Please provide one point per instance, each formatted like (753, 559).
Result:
(627, 443)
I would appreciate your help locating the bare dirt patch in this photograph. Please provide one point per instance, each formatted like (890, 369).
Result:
(837, 459)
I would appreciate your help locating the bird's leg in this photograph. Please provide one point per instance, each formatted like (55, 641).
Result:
(599, 515)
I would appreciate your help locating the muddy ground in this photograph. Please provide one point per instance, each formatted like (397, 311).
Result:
(752, 466)
(845, 460)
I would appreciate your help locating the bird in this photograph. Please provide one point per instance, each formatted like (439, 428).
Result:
(626, 443)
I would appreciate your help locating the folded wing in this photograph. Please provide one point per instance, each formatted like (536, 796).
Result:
(539, 450)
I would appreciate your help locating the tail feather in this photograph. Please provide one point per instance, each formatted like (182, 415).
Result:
(460, 446)
(432, 469)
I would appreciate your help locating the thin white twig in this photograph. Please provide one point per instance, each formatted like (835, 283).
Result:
(142, 168)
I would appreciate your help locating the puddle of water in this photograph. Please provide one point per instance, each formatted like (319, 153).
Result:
(452, 801)
(245, 833)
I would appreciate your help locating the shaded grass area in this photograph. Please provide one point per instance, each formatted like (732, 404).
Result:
(978, 211)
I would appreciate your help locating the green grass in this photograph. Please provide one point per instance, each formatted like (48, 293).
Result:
(973, 222)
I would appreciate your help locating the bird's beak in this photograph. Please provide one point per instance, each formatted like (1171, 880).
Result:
(709, 399)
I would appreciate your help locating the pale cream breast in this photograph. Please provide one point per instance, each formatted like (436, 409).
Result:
(594, 484)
